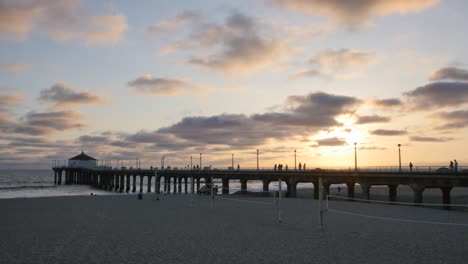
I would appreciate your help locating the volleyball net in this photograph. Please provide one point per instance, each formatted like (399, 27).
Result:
(403, 212)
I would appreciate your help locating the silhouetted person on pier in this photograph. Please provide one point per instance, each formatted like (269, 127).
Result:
(456, 165)
(451, 165)
(410, 166)
(300, 166)
(303, 166)
(286, 167)
(238, 167)
(275, 167)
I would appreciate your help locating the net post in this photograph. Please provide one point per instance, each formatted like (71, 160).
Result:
(320, 201)
(279, 201)
(212, 193)
(157, 186)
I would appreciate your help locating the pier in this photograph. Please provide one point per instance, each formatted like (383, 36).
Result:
(178, 181)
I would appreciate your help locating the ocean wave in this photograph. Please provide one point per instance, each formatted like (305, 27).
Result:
(26, 187)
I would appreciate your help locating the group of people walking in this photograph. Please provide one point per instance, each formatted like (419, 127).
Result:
(280, 167)
(454, 165)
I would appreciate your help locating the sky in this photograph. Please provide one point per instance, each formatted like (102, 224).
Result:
(122, 80)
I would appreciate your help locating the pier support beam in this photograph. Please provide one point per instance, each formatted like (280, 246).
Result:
(179, 185)
(350, 189)
(418, 191)
(186, 184)
(168, 184)
(392, 192)
(198, 184)
(59, 178)
(175, 185)
(122, 183)
(225, 186)
(127, 189)
(316, 190)
(149, 183)
(326, 190)
(266, 185)
(141, 183)
(243, 185)
(292, 189)
(134, 183)
(366, 190)
(446, 196)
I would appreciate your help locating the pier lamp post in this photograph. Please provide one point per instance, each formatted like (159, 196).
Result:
(232, 161)
(399, 156)
(257, 159)
(191, 162)
(200, 161)
(295, 167)
(355, 156)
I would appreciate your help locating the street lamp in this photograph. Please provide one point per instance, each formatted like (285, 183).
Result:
(355, 156)
(200, 161)
(191, 162)
(295, 168)
(257, 159)
(232, 161)
(399, 155)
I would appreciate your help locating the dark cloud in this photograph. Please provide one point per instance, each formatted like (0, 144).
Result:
(357, 13)
(388, 132)
(236, 46)
(387, 103)
(429, 139)
(331, 142)
(304, 115)
(63, 95)
(46, 123)
(93, 139)
(146, 84)
(372, 119)
(453, 120)
(449, 73)
(438, 94)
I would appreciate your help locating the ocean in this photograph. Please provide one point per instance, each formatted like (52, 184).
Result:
(40, 183)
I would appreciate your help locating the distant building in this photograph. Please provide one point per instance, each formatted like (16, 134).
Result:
(82, 161)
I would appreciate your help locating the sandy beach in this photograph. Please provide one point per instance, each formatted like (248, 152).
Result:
(181, 229)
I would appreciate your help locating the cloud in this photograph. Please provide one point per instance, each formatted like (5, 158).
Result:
(343, 58)
(10, 99)
(372, 119)
(388, 132)
(387, 103)
(62, 20)
(354, 14)
(328, 62)
(249, 131)
(429, 139)
(454, 120)
(311, 73)
(14, 67)
(449, 73)
(235, 47)
(331, 142)
(173, 23)
(63, 95)
(45, 123)
(438, 94)
(146, 84)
